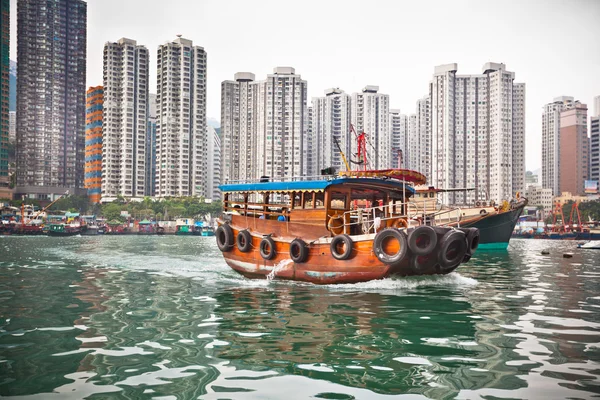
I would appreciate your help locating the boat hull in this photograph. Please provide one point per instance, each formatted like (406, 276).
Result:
(64, 234)
(320, 266)
(496, 229)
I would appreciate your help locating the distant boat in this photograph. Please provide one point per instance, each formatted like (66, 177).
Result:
(594, 244)
(63, 230)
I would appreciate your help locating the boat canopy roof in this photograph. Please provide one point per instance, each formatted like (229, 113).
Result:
(314, 185)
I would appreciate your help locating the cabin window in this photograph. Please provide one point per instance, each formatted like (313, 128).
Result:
(319, 200)
(338, 201)
(431, 194)
(297, 200)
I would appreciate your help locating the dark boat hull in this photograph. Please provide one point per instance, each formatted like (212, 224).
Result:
(496, 230)
(63, 234)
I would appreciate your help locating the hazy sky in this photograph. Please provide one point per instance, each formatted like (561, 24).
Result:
(553, 46)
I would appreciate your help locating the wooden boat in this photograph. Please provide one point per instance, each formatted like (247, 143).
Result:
(495, 222)
(335, 229)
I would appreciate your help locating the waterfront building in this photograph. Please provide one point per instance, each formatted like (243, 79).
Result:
(477, 133)
(574, 149)
(93, 143)
(538, 196)
(151, 147)
(181, 135)
(400, 135)
(330, 124)
(281, 124)
(238, 133)
(51, 66)
(4, 90)
(126, 79)
(595, 148)
(370, 114)
(420, 139)
(214, 162)
(551, 142)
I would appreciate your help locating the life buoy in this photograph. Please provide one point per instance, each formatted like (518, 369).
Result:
(267, 248)
(335, 224)
(224, 235)
(477, 203)
(422, 240)
(298, 251)
(473, 236)
(421, 264)
(453, 248)
(343, 241)
(400, 223)
(244, 241)
(380, 241)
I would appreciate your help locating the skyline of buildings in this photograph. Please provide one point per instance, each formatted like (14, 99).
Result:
(51, 67)
(273, 130)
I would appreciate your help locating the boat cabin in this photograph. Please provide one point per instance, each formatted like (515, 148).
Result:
(317, 208)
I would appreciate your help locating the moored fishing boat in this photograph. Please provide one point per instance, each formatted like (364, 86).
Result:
(495, 222)
(335, 229)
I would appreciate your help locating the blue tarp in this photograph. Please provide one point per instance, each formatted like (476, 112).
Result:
(309, 185)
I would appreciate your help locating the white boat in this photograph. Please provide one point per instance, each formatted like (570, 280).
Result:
(592, 244)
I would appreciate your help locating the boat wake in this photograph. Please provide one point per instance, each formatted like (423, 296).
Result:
(454, 279)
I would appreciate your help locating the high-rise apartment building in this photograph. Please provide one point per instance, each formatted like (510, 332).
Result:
(281, 124)
(93, 143)
(574, 149)
(370, 114)
(595, 148)
(309, 146)
(401, 143)
(421, 139)
(238, 134)
(214, 162)
(181, 142)
(330, 130)
(51, 66)
(126, 79)
(551, 142)
(151, 147)
(477, 133)
(596, 106)
(4, 89)
(12, 126)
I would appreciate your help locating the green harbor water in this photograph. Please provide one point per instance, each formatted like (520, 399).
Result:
(164, 317)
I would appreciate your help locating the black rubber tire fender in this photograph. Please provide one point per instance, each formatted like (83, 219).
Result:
(453, 248)
(267, 248)
(244, 241)
(421, 264)
(298, 251)
(426, 233)
(336, 241)
(385, 235)
(224, 235)
(473, 236)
